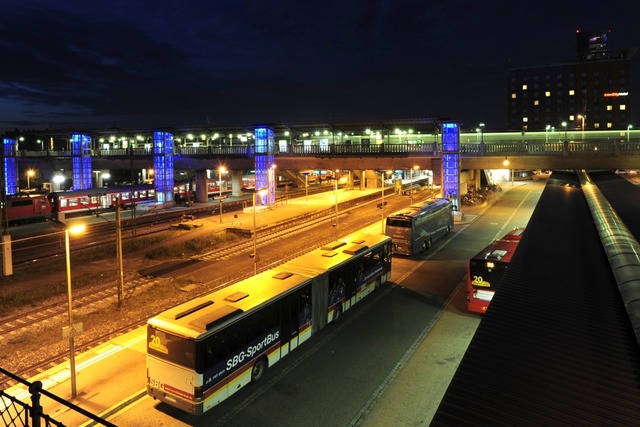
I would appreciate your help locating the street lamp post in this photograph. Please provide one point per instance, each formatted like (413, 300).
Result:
(583, 118)
(546, 133)
(75, 229)
(415, 168)
(566, 141)
(306, 186)
(382, 203)
(628, 131)
(335, 195)
(255, 231)
(221, 170)
(119, 254)
(30, 173)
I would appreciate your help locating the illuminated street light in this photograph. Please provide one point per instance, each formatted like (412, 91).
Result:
(415, 168)
(221, 170)
(583, 117)
(382, 201)
(74, 230)
(546, 133)
(335, 195)
(628, 130)
(564, 125)
(260, 193)
(30, 173)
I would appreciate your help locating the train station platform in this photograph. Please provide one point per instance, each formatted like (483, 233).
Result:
(99, 394)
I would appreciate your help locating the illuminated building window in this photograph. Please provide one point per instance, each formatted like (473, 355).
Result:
(547, 93)
(571, 118)
(524, 87)
(572, 92)
(596, 125)
(623, 107)
(525, 119)
(609, 107)
(536, 102)
(609, 125)
(513, 96)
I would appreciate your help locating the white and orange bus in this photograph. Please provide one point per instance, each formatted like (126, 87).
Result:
(202, 351)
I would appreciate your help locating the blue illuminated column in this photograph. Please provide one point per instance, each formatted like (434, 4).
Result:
(451, 162)
(264, 165)
(10, 167)
(163, 165)
(81, 161)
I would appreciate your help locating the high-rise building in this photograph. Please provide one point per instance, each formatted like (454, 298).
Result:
(591, 91)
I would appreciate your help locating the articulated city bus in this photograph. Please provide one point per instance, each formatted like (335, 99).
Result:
(486, 269)
(203, 351)
(413, 230)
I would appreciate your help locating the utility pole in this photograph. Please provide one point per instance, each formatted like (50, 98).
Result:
(119, 254)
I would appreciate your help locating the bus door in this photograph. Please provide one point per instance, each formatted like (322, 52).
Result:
(319, 302)
(289, 321)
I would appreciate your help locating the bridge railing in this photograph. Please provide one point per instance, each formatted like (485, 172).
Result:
(340, 150)
(15, 412)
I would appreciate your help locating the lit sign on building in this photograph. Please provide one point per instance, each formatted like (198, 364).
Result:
(615, 94)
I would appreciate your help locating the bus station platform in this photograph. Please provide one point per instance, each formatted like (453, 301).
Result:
(100, 394)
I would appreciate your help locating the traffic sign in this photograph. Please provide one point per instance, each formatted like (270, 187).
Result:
(72, 331)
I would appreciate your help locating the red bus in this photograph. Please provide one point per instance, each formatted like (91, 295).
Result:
(486, 268)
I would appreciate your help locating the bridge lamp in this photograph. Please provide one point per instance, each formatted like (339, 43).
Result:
(582, 117)
(546, 133)
(628, 131)
(564, 125)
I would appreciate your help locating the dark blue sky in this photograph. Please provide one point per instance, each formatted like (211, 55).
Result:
(148, 64)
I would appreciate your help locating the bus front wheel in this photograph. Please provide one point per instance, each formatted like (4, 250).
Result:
(426, 245)
(258, 370)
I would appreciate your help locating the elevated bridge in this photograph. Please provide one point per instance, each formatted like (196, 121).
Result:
(541, 155)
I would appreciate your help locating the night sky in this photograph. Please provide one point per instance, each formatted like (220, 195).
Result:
(149, 64)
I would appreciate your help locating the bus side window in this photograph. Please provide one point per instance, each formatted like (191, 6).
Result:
(304, 307)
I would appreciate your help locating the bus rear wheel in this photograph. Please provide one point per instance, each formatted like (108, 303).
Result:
(258, 370)
(426, 244)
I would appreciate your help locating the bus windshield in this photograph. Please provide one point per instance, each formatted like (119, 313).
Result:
(398, 221)
(170, 347)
